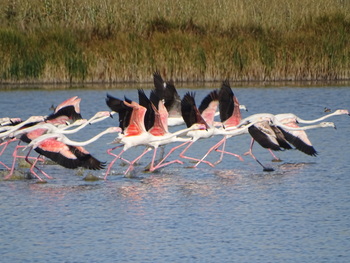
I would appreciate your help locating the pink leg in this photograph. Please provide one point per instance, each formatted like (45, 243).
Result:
(109, 151)
(276, 159)
(191, 158)
(32, 170)
(209, 151)
(223, 141)
(161, 164)
(171, 151)
(250, 152)
(233, 154)
(33, 165)
(131, 166)
(14, 154)
(5, 144)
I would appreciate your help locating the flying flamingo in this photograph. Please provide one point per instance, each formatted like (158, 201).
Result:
(297, 138)
(191, 116)
(67, 153)
(66, 111)
(159, 129)
(270, 134)
(230, 116)
(7, 136)
(131, 122)
(9, 121)
(290, 117)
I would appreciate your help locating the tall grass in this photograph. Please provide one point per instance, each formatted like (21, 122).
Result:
(126, 40)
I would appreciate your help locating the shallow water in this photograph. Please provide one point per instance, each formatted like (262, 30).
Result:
(234, 212)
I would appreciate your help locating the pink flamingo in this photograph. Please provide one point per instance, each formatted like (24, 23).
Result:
(8, 136)
(230, 116)
(131, 122)
(278, 136)
(299, 138)
(158, 129)
(67, 111)
(191, 116)
(67, 153)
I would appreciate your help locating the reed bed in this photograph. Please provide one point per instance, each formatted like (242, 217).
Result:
(187, 40)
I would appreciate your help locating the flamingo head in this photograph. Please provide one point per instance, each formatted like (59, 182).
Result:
(341, 112)
(328, 124)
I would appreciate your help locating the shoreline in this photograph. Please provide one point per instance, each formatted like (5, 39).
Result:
(178, 84)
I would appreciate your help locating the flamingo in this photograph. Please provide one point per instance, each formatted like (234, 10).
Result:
(9, 121)
(159, 129)
(52, 131)
(290, 117)
(67, 153)
(297, 138)
(131, 122)
(67, 111)
(7, 138)
(230, 116)
(191, 115)
(270, 134)
(81, 123)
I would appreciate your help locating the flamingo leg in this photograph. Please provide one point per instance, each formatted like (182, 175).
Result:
(33, 172)
(14, 155)
(210, 150)
(223, 141)
(109, 151)
(222, 151)
(250, 152)
(275, 158)
(5, 144)
(131, 166)
(33, 165)
(233, 154)
(161, 164)
(191, 158)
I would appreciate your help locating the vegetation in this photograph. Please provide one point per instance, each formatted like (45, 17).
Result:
(188, 40)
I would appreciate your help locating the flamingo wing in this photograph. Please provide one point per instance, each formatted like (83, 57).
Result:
(282, 141)
(208, 107)
(158, 84)
(190, 112)
(300, 141)
(226, 102)
(123, 110)
(264, 136)
(172, 100)
(149, 115)
(68, 156)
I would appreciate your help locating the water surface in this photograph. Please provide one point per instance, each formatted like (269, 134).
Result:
(234, 212)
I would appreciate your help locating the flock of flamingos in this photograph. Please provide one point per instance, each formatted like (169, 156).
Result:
(146, 123)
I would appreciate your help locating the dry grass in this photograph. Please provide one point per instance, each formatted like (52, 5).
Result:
(188, 40)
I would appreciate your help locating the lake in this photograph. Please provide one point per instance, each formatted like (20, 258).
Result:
(234, 212)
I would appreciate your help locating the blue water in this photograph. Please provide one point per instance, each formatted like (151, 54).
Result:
(234, 212)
